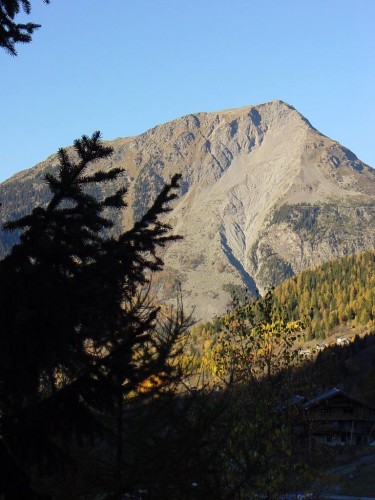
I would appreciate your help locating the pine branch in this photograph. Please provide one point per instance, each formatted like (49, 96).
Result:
(11, 32)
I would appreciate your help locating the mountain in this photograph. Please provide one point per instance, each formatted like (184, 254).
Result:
(264, 195)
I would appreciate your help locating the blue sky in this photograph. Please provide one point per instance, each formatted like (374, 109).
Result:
(123, 66)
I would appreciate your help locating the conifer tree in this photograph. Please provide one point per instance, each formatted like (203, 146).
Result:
(77, 334)
(12, 32)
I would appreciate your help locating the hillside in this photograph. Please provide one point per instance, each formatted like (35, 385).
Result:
(336, 299)
(264, 196)
(337, 293)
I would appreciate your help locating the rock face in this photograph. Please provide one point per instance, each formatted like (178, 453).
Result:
(263, 196)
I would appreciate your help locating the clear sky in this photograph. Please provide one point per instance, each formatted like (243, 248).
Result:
(123, 66)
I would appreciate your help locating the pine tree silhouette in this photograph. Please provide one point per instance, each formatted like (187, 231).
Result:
(78, 333)
(12, 32)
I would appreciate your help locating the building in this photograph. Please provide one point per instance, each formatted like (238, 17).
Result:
(342, 341)
(337, 418)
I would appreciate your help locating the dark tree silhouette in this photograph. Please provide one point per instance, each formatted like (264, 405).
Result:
(12, 32)
(78, 334)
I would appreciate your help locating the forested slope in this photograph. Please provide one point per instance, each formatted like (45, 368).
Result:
(336, 293)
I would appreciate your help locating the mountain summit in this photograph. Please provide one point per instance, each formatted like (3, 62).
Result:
(264, 195)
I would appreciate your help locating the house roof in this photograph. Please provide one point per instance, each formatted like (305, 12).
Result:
(293, 401)
(331, 394)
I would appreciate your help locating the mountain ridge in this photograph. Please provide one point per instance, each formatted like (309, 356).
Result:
(264, 195)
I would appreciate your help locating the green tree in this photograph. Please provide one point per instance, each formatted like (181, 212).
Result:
(12, 32)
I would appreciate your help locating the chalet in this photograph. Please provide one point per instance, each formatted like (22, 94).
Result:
(342, 341)
(337, 418)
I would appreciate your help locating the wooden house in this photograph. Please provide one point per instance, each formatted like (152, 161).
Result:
(337, 418)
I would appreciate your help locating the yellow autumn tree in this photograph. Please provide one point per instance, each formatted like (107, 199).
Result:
(258, 341)
(258, 358)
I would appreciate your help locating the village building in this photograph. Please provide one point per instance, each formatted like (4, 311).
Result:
(336, 418)
(342, 341)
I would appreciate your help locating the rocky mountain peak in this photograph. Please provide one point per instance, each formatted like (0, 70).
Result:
(263, 195)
